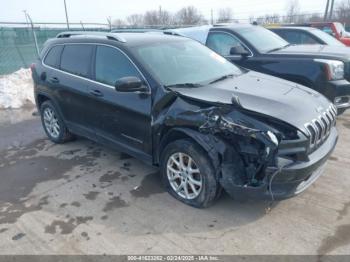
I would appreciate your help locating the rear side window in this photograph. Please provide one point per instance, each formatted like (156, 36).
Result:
(292, 37)
(76, 59)
(111, 64)
(222, 43)
(53, 56)
(298, 37)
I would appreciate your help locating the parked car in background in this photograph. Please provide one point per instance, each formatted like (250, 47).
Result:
(334, 29)
(305, 36)
(174, 103)
(322, 68)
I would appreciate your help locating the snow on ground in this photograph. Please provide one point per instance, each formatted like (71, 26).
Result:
(16, 89)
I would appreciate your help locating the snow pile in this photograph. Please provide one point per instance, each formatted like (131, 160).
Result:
(16, 89)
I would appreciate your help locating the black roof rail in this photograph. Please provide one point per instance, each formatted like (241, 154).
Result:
(171, 33)
(108, 35)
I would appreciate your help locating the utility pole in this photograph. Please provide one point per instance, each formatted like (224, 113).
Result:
(160, 16)
(211, 16)
(331, 11)
(25, 15)
(326, 11)
(65, 9)
(33, 31)
(109, 21)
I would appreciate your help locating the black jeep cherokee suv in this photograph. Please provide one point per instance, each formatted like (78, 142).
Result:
(325, 69)
(174, 103)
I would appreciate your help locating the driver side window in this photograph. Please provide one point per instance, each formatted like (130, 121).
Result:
(222, 43)
(111, 64)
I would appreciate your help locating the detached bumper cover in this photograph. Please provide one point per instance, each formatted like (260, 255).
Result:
(290, 181)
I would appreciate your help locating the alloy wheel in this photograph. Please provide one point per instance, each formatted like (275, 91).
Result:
(51, 123)
(184, 175)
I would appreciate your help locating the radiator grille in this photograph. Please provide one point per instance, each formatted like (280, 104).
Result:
(320, 127)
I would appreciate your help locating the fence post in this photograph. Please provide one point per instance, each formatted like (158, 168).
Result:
(34, 35)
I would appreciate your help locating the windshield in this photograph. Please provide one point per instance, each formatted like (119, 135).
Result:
(183, 62)
(262, 39)
(328, 39)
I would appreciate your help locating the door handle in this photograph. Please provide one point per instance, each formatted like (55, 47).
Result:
(97, 93)
(54, 80)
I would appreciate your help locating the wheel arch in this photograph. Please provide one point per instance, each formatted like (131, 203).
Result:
(202, 140)
(41, 97)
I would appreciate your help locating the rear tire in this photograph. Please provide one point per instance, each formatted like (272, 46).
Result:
(53, 124)
(188, 174)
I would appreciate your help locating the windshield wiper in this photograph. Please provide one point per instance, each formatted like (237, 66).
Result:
(185, 85)
(279, 48)
(221, 78)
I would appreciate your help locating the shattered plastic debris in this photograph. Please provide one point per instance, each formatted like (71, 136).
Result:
(16, 89)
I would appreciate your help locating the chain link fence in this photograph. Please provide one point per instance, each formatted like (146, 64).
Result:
(17, 45)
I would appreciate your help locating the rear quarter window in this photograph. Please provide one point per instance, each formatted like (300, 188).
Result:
(76, 59)
(53, 56)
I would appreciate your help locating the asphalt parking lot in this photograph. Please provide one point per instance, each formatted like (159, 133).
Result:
(82, 198)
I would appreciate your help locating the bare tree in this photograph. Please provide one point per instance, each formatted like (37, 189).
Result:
(225, 15)
(165, 17)
(188, 16)
(135, 20)
(157, 18)
(342, 12)
(151, 18)
(315, 18)
(293, 11)
(272, 19)
(118, 23)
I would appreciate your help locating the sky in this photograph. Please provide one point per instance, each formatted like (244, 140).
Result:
(99, 10)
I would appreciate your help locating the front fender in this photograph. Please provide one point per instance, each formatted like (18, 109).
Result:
(207, 141)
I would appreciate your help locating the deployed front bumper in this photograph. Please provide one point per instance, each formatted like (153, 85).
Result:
(289, 179)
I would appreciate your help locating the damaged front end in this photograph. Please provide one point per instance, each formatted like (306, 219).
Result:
(240, 146)
(247, 151)
(255, 155)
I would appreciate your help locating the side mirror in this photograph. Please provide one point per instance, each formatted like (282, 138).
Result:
(239, 50)
(129, 84)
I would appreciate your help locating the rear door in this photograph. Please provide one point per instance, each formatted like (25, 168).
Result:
(119, 118)
(74, 75)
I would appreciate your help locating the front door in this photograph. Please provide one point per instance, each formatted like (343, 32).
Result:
(119, 118)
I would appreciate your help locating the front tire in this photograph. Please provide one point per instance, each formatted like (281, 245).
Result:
(188, 174)
(53, 124)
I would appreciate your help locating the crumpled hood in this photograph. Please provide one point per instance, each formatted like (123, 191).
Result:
(264, 94)
(342, 53)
